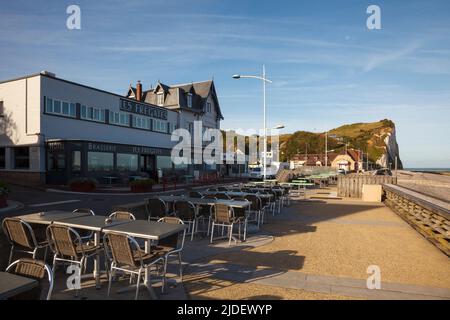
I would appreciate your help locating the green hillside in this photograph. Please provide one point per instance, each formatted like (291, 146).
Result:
(368, 137)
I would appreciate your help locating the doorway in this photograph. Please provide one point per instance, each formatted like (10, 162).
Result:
(148, 165)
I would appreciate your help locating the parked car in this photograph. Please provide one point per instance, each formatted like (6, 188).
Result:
(382, 172)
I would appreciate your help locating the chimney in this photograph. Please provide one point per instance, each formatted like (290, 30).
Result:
(138, 91)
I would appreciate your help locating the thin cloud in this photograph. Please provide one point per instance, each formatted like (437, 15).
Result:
(380, 59)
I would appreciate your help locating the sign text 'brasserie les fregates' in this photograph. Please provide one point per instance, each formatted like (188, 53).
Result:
(143, 109)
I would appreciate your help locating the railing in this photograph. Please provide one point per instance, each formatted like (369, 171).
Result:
(350, 186)
(429, 216)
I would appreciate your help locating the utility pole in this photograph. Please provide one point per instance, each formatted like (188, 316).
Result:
(326, 149)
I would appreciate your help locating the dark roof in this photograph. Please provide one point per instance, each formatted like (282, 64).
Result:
(175, 96)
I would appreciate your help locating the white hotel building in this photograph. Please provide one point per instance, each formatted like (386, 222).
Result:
(52, 130)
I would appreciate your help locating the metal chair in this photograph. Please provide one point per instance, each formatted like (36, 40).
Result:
(223, 217)
(21, 235)
(156, 209)
(170, 246)
(241, 215)
(128, 257)
(256, 208)
(68, 246)
(195, 194)
(34, 269)
(122, 215)
(186, 211)
(85, 235)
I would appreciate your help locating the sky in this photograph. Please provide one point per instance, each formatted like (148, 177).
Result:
(327, 67)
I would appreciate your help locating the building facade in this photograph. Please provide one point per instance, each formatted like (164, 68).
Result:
(349, 160)
(53, 130)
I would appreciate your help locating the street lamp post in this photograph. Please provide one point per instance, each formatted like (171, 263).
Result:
(264, 80)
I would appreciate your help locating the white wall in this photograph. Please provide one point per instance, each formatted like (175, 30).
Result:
(21, 101)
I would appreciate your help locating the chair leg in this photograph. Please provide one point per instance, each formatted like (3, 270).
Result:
(45, 253)
(245, 229)
(138, 284)
(11, 253)
(164, 274)
(181, 266)
(212, 232)
(230, 228)
(110, 280)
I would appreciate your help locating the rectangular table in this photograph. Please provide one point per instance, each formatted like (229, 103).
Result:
(210, 202)
(12, 285)
(95, 224)
(48, 217)
(147, 230)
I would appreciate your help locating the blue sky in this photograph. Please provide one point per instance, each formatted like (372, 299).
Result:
(327, 68)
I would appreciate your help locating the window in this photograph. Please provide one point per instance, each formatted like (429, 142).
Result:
(76, 160)
(190, 127)
(127, 162)
(2, 158)
(119, 118)
(141, 122)
(189, 100)
(2, 109)
(159, 126)
(60, 107)
(93, 114)
(100, 161)
(56, 161)
(22, 158)
(56, 106)
(163, 162)
(208, 107)
(160, 99)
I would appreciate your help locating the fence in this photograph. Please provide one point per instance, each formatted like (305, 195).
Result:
(429, 216)
(350, 186)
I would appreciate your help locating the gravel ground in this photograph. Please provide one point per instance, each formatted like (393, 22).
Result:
(335, 238)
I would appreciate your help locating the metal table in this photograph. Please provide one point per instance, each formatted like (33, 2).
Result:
(95, 224)
(48, 217)
(147, 230)
(12, 285)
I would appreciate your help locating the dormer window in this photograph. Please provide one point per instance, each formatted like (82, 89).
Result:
(208, 107)
(160, 99)
(189, 100)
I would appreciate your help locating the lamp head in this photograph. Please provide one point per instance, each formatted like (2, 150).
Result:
(237, 76)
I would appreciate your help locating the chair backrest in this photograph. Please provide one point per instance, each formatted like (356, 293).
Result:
(156, 208)
(64, 240)
(239, 212)
(121, 249)
(122, 215)
(185, 210)
(209, 196)
(222, 213)
(223, 196)
(84, 210)
(195, 194)
(19, 232)
(34, 269)
(174, 241)
(255, 202)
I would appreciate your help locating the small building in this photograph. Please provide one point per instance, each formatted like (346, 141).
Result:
(349, 161)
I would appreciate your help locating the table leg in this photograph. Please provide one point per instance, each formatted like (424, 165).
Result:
(97, 261)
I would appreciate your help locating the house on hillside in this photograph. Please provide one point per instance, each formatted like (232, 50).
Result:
(350, 160)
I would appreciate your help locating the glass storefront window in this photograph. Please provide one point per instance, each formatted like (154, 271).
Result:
(100, 161)
(163, 162)
(127, 162)
(56, 161)
(76, 161)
